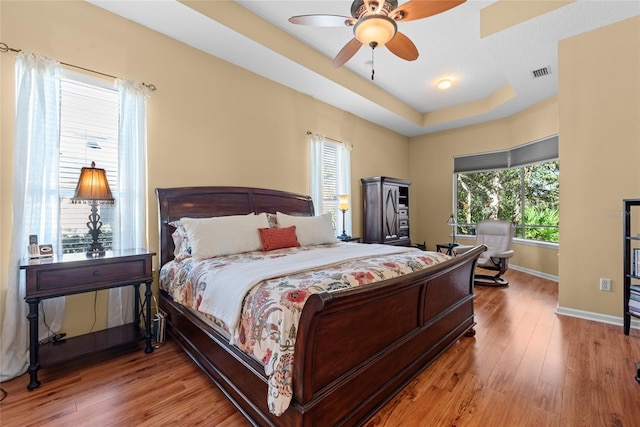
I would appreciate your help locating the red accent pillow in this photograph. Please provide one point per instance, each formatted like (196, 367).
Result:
(278, 238)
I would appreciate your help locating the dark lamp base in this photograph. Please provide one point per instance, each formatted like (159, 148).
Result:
(96, 249)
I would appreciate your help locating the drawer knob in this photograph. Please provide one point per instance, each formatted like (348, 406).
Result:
(96, 273)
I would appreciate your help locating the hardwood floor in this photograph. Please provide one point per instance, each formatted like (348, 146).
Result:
(526, 366)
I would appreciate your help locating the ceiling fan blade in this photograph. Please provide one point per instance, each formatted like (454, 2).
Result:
(323, 20)
(403, 47)
(346, 53)
(418, 9)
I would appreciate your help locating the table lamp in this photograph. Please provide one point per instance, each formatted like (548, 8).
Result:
(93, 188)
(343, 205)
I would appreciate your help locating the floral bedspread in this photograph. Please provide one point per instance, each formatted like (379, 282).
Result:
(272, 308)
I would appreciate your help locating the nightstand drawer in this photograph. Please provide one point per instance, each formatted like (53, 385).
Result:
(79, 278)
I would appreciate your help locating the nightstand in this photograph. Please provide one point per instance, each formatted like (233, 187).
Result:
(351, 239)
(448, 246)
(76, 273)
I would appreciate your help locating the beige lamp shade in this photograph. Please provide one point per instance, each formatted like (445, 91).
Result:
(343, 202)
(93, 187)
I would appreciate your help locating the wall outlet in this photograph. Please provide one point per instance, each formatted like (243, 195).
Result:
(605, 284)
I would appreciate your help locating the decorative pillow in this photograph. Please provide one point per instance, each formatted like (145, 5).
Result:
(273, 220)
(180, 239)
(224, 235)
(310, 230)
(278, 238)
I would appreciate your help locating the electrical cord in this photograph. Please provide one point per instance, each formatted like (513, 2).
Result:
(51, 336)
(95, 310)
(4, 394)
(50, 333)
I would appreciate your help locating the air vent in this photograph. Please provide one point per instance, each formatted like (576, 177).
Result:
(541, 72)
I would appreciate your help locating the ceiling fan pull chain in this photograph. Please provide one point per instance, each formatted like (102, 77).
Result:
(373, 71)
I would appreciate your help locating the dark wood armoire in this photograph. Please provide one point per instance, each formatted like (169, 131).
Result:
(386, 210)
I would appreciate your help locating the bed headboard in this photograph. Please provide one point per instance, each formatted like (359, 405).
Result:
(204, 202)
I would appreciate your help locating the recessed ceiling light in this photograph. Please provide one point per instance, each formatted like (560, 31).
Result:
(444, 84)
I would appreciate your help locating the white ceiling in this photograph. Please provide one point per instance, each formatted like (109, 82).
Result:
(450, 46)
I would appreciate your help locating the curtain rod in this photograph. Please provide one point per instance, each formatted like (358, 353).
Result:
(5, 48)
(325, 137)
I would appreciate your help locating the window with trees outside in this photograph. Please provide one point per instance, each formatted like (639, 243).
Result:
(520, 185)
(89, 111)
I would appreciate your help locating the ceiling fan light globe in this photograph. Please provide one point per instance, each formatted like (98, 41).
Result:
(376, 29)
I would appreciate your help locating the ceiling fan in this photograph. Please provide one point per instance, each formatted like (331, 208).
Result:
(374, 24)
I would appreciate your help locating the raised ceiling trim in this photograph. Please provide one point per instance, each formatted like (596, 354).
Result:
(242, 21)
(504, 14)
(470, 109)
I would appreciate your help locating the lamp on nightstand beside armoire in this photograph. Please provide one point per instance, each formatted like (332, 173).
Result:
(344, 207)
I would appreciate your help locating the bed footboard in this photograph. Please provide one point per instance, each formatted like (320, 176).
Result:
(357, 348)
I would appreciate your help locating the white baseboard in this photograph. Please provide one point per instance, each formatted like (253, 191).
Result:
(596, 317)
(534, 273)
(580, 314)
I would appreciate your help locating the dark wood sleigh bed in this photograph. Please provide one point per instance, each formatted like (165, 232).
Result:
(336, 381)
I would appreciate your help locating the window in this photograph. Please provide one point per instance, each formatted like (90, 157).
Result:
(330, 177)
(519, 185)
(88, 132)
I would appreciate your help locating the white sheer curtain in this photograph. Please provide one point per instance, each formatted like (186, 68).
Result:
(131, 195)
(318, 163)
(35, 201)
(316, 166)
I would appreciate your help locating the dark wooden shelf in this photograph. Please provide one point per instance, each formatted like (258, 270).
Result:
(118, 338)
(627, 206)
(632, 314)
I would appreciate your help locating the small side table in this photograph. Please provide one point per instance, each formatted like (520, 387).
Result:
(448, 246)
(351, 239)
(74, 274)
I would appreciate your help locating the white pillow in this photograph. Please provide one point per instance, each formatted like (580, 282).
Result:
(310, 230)
(224, 235)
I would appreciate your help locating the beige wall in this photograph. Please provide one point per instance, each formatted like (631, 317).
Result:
(431, 170)
(246, 130)
(599, 110)
(209, 122)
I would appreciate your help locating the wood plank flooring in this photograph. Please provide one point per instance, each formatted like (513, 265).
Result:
(526, 366)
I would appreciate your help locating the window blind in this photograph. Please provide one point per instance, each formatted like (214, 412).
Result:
(533, 152)
(330, 171)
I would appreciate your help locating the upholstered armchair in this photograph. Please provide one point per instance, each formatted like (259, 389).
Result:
(497, 236)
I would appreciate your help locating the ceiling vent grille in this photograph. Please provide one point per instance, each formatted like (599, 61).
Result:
(541, 72)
